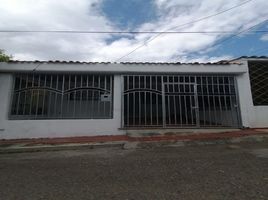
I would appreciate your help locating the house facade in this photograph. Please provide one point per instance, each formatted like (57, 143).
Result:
(61, 99)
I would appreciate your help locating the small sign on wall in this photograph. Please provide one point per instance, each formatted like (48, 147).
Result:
(105, 97)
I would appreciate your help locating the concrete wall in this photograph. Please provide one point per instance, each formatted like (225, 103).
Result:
(261, 117)
(251, 116)
(56, 128)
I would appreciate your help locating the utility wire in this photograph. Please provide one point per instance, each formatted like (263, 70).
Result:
(125, 32)
(182, 25)
(243, 31)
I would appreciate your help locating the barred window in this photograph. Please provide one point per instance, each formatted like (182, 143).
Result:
(60, 96)
(258, 73)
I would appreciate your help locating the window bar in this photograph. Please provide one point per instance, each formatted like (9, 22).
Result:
(168, 96)
(111, 93)
(203, 102)
(145, 108)
(18, 100)
(151, 101)
(163, 102)
(99, 95)
(197, 110)
(44, 95)
(49, 98)
(214, 102)
(25, 97)
(81, 95)
(219, 99)
(30, 112)
(185, 102)
(93, 97)
(156, 100)
(139, 100)
(231, 100)
(74, 95)
(37, 99)
(191, 104)
(87, 97)
(56, 96)
(208, 97)
(69, 95)
(224, 96)
(62, 96)
(105, 92)
(134, 93)
(179, 98)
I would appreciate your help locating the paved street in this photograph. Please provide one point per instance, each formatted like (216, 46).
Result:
(200, 172)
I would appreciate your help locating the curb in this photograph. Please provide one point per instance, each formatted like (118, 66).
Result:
(128, 145)
(78, 146)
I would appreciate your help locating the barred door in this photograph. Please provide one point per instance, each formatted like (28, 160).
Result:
(181, 106)
(180, 101)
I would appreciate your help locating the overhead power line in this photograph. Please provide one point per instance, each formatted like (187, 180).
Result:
(239, 33)
(182, 25)
(126, 32)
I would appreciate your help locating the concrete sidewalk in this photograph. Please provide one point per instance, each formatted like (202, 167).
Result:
(127, 142)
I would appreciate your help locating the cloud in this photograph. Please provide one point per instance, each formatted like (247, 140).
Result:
(86, 15)
(264, 37)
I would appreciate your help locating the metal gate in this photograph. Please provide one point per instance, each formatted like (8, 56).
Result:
(181, 106)
(180, 101)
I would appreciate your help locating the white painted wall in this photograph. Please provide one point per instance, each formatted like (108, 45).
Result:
(10, 129)
(252, 116)
(261, 117)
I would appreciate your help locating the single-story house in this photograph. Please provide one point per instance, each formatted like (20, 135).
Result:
(61, 99)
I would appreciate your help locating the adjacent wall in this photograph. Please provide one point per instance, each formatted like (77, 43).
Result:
(55, 128)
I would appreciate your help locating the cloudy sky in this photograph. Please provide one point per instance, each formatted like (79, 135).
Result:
(132, 15)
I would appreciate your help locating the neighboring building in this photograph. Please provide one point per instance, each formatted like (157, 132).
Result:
(61, 99)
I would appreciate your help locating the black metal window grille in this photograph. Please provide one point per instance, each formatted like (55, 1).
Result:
(258, 73)
(61, 96)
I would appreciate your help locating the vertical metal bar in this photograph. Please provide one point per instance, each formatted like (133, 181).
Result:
(44, 97)
(168, 96)
(87, 101)
(49, 98)
(180, 110)
(196, 104)
(127, 106)
(81, 94)
(163, 102)
(93, 97)
(37, 99)
(134, 101)
(231, 101)
(111, 89)
(151, 101)
(62, 95)
(31, 100)
(74, 95)
(25, 96)
(208, 97)
(69, 95)
(219, 99)
(145, 102)
(191, 104)
(56, 96)
(238, 111)
(156, 101)
(18, 98)
(104, 103)
(122, 79)
(214, 102)
(225, 102)
(139, 100)
(99, 94)
(203, 102)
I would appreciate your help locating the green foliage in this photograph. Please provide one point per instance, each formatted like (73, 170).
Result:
(4, 57)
